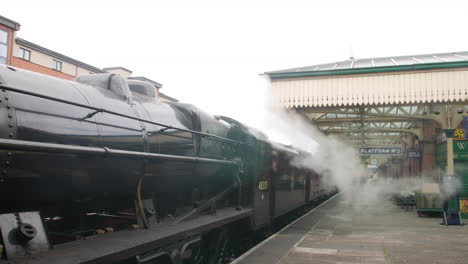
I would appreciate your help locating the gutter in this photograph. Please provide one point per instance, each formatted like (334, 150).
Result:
(398, 68)
(10, 23)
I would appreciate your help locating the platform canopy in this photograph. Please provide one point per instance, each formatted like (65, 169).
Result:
(429, 78)
(377, 100)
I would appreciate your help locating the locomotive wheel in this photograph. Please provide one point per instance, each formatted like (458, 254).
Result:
(198, 255)
(223, 249)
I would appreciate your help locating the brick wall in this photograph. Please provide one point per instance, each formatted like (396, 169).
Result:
(428, 147)
(27, 65)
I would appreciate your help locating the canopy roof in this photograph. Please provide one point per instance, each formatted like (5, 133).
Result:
(367, 65)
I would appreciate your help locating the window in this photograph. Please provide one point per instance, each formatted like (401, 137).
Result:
(57, 65)
(24, 54)
(3, 46)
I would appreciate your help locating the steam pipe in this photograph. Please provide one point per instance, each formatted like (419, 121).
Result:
(97, 110)
(33, 146)
(140, 203)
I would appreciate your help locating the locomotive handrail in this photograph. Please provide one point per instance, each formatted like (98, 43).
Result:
(102, 110)
(33, 146)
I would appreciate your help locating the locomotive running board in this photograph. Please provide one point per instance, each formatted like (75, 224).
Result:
(112, 247)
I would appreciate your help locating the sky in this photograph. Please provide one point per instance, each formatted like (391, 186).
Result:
(211, 53)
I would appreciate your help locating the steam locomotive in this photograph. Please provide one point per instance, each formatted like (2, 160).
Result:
(97, 170)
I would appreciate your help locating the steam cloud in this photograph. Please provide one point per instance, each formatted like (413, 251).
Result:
(340, 164)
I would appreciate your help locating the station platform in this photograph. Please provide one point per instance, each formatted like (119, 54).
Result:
(336, 232)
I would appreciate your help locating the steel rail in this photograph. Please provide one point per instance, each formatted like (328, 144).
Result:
(102, 110)
(32, 146)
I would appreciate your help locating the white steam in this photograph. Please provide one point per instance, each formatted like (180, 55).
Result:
(450, 186)
(340, 163)
(337, 161)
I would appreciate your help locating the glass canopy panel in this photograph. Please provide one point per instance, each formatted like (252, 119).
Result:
(464, 54)
(343, 65)
(406, 61)
(449, 57)
(362, 64)
(383, 62)
(325, 67)
(427, 59)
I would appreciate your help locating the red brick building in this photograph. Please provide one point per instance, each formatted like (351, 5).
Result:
(33, 57)
(24, 54)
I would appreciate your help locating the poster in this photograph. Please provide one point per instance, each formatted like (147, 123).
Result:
(464, 206)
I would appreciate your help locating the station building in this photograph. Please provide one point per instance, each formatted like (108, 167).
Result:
(403, 103)
(24, 54)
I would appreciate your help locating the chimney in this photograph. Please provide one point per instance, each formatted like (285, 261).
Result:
(119, 71)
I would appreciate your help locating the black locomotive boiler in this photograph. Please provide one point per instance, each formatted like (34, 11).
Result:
(97, 170)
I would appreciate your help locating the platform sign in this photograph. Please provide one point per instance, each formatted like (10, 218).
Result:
(464, 206)
(380, 151)
(460, 150)
(459, 134)
(414, 154)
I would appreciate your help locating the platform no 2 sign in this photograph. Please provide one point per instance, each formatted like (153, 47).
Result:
(380, 151)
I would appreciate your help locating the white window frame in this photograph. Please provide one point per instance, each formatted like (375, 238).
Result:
(22, 52)
(6, 44)
(57, 65)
